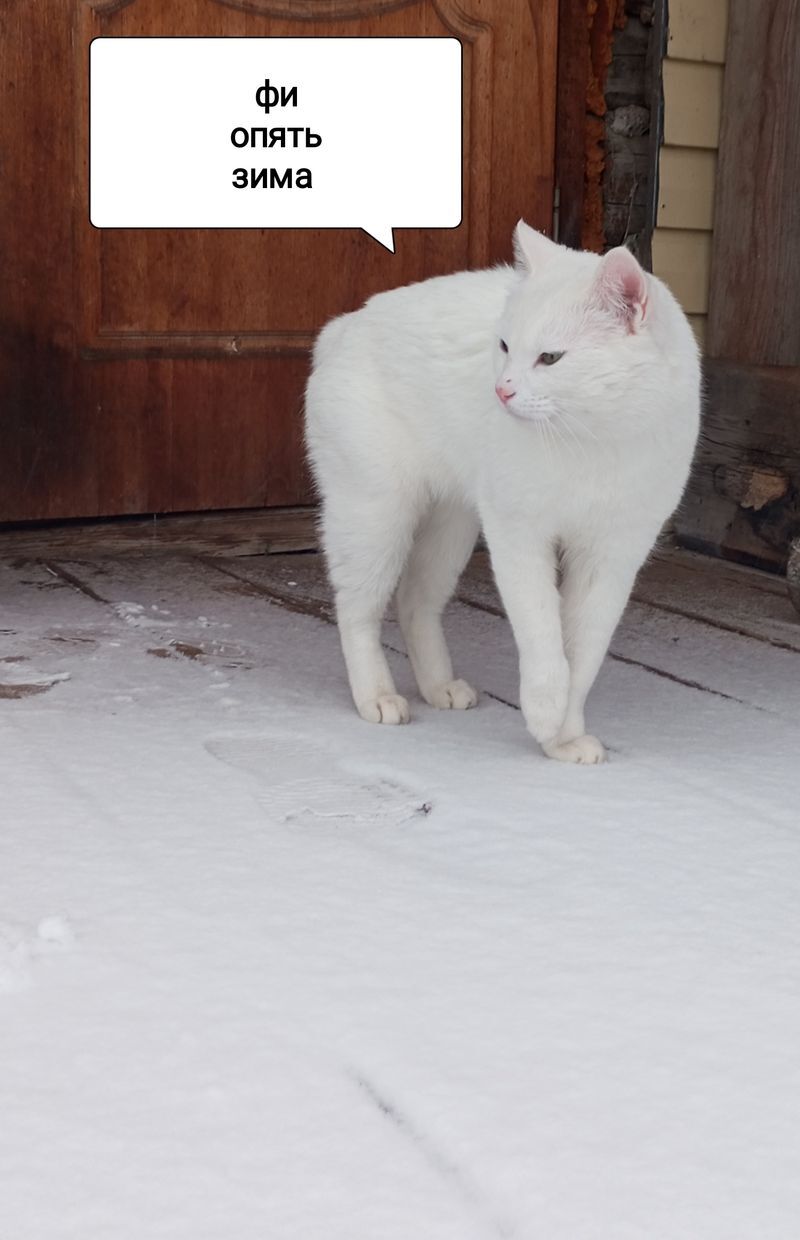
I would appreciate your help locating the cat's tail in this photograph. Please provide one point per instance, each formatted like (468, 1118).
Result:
(329, 340)
(323, 404)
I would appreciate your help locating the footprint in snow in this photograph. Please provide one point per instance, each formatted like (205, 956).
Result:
(305, 784)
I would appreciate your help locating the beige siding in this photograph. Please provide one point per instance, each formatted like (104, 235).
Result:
(693, 74)
(686, 188)
(698, 31)
(692, 100)
(685, 256)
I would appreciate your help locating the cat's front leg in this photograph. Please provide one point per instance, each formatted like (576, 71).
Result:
(526, 579)
(597, 583)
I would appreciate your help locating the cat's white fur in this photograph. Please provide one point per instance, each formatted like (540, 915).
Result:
(421, 430)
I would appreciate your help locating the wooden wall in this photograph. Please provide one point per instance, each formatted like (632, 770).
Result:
(743, 499)
(693, 76)
(754, 308)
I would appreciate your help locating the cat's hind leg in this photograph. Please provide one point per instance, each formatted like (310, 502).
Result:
(366, 547)
(441, 549)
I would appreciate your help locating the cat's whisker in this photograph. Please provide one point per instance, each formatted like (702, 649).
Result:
(548, 438)
(560, 420)
(556, 437)
(545, 438)
(556, 434)
(573, 418)
(575, 438)
(553, 438)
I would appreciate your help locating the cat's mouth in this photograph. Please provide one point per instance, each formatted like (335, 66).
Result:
(529, 411)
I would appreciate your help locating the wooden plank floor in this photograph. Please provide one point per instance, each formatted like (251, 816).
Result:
(259, 531)
(684, 608)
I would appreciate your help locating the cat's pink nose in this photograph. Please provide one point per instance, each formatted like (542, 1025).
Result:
(504, 391)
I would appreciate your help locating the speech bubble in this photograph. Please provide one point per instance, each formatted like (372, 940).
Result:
(276, 133)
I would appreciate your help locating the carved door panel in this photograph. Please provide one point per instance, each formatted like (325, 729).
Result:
(163, 370)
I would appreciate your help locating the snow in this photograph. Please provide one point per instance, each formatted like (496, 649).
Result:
(270, 973)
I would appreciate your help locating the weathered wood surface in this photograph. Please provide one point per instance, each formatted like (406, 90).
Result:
(605, 161)
(754, 311)
(630, 146)
(603, 17)
(573, 75)
(256, 532)
(626, 184)
(677, 593)
(684, 606)
(717, 630)
(731, 597)
(793, 573)
(717, 592)
(743, 498)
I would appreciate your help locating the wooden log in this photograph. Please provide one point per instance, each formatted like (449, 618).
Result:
(743, 499)
(793, 573)
(627, 171)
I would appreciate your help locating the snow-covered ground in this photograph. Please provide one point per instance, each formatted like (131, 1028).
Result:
(270, 973)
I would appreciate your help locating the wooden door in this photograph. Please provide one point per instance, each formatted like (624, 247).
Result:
(163, 371)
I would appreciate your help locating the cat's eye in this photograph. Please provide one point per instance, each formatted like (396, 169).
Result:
(504, 346)
(549, 359)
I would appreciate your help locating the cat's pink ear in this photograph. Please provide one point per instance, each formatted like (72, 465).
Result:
(532, 250)
(621, 287)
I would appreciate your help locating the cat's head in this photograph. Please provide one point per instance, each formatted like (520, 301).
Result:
(567, 328)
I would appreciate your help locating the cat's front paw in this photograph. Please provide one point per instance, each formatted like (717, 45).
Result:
(585, 750)
(388, 708)
(454, 695)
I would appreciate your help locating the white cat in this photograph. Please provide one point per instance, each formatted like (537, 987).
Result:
(555, 405)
